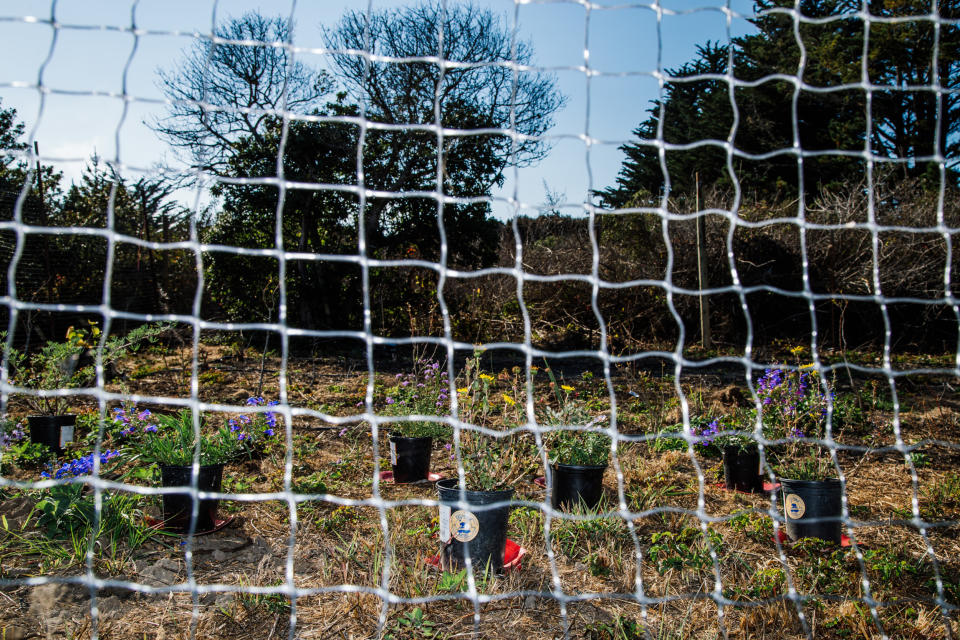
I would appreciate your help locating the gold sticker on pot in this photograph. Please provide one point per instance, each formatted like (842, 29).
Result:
(794, 507)
(464, 526)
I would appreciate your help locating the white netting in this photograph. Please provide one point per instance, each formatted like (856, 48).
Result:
(359, 226)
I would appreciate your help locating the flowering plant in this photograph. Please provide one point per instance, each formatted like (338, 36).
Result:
(169, 440)
(490, 462)
(794, 407)
(57, 364)
(10, 432)
(791, 402)
(586, 445)
(721, 433)
(423, 391)
(79, 467)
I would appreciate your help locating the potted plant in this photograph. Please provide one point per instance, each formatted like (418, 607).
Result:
(793, 408)
(578, 451)
(422, 392)
(170, 442)
(58, 366)
(474, 515)
(741, 454)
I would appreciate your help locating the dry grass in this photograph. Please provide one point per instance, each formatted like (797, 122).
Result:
(339, 555)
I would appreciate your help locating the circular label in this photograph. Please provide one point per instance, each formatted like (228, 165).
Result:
(464, 526)
(793, 506)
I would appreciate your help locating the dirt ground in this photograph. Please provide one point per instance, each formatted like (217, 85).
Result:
(672, 554)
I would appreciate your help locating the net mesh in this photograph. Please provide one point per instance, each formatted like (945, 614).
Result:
(647, 557)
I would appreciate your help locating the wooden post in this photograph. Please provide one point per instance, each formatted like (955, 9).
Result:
(702, 270)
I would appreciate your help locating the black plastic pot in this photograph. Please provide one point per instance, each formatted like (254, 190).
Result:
(53, 431)
(410, 458)
(576, 485)
(480, 534)
(812, 508)
(741, 469)
(178, 507)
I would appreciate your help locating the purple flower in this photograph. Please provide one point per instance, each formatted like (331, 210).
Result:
(242, 437)
(150, 428)
(343, 432)
(143, 415)
(448, 446)
(390, 400)
(268, 432)
(359, 404)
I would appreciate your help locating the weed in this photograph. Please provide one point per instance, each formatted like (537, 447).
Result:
(653, 493)
(275, 603)
(887, 565)
(757, 527)
(412, 624)
(339, 519)
(941, 497)
(315, 483)
(684, 550)
(144, 370)
(212, 377)
(452, 582)
(622, 628)
(763, 584)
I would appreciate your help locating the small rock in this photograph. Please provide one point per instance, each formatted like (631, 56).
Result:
(52, 597)
(530, 602)
(109, 605)
(159, 575)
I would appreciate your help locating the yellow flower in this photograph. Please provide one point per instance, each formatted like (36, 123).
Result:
(462, 390)
(808, 366)
(484, 376)
(566, 387)
(509, 400)
(797, 350)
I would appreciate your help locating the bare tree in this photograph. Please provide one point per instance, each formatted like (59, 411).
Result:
(229, 86)
(459, 62)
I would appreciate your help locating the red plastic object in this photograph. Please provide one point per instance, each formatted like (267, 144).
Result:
(512, 555)
(767, 486)
(783, 538)
(387, 476)
(540, 481)
(218, 524)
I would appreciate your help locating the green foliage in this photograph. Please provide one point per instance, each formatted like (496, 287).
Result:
(16, 448)
(695, 108)
(587, 445)
(412, 624)
(56, 365)
(758, 527)
(622, 628)
(490, 462)
(453, 582)
(67, 512)
(172, 441)
(670, 438)
(684, 550)
(423, 391)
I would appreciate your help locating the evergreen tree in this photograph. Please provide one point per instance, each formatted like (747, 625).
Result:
(820, 137)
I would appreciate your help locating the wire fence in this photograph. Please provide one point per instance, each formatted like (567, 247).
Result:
(658, 536)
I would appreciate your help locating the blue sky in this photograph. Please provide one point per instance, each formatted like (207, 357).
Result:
(85, 73)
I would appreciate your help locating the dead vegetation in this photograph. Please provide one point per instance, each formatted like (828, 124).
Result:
(694, 561)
